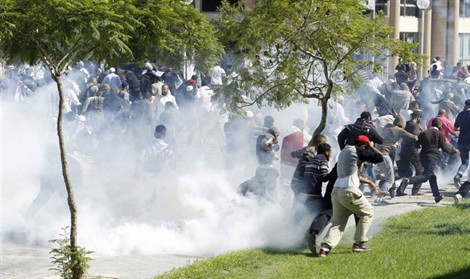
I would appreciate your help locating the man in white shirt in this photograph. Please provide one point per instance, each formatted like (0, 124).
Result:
(112, 79)
(163, 98)
(159, 154)
(217, 74)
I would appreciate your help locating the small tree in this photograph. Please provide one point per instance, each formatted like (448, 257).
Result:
(297, 51)
(62, 32)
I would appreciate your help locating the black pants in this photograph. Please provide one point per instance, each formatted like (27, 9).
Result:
(429, 166)
(406, 164)
(464, 189)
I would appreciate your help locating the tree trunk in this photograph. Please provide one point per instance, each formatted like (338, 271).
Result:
(68, 183)
(324, 112)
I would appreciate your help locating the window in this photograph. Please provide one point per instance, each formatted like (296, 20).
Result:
(464, 8)
(410, 37)
(213, 5)
(408, 8)
(464, 48)
(381, 6)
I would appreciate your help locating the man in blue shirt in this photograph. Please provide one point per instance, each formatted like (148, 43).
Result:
(462, 124)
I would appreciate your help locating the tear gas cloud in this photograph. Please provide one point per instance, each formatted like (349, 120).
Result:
(191, 209)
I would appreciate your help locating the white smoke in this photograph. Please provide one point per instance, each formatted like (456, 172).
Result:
(192, 210)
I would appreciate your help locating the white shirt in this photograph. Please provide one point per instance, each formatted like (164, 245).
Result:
(439, 66)
(206, 94)
(217, 74)
(112, 80)
(161, 100)
(158, 156)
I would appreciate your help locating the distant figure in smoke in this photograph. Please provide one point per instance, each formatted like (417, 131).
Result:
(290, 143)
(51, 180)
(264, 184)
(447, 104)
(93, 109)
(172, 79)
(141, 120)
(401, 98)
(217, 75)
(159, 155)
(91, 90)
(123, 93)
(206, 112)
(168, 118)
(112, 79)
(134, 86)
(238, 144)
(149, 77)
(164, 97)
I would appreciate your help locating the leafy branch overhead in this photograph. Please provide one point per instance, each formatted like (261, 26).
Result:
(64, 32)
(293, 51)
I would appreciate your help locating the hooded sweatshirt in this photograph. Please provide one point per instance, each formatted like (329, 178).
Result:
(364, 127)
(392, 133)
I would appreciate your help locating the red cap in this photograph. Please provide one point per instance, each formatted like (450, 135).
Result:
(363, 138)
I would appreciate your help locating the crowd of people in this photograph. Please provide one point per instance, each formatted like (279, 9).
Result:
(151, 112)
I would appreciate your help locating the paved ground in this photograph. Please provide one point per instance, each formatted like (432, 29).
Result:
(19, 261)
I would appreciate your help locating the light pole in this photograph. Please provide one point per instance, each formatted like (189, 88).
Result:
(422, 6)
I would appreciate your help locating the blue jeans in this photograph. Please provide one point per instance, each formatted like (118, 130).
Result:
(386, 166)
(464, 150)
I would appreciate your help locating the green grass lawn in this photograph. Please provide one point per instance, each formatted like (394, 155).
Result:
(428, 243)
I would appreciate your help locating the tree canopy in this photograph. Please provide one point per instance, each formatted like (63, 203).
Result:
(300, 50)
(63, 32)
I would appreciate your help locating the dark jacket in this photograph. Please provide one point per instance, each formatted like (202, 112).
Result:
(408, 147)
(431, 141)
(350, 133)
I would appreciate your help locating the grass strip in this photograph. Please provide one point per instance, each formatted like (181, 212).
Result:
(428, 243)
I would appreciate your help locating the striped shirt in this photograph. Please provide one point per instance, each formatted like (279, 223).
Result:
(315, 174)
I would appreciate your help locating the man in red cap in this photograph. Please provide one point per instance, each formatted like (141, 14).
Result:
(348, 199)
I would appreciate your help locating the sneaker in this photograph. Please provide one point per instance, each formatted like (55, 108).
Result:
(403, 184)
(401, 194)
(324, 250)
(378, 201)
(458, 199)
(392, 192)
(438, 199)
(360, 247)
(380, 194)
(457, 183)
(311, 241)
(419, 193)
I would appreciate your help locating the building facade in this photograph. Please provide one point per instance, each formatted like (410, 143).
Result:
(444, 27)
